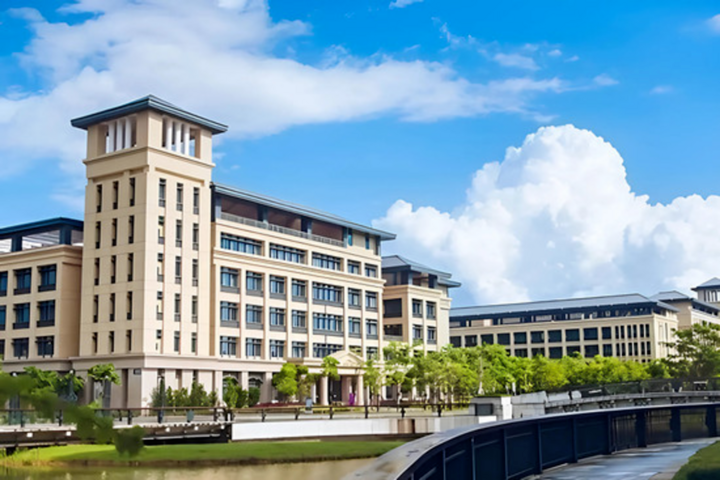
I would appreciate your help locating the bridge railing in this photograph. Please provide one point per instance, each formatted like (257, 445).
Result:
(515, 449)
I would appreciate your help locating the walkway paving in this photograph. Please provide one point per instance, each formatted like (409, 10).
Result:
(657, 462)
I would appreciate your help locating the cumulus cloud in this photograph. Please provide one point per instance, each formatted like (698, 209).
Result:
(515, 60)
(605, 80)
(403, 3)
(220, 58)
(558, 218)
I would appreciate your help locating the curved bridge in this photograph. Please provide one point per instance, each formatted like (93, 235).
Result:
(515, 449)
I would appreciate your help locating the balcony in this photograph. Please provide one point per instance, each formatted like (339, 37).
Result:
(391, 338)
(276, 228)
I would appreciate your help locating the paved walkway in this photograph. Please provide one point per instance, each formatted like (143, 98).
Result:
(657, 462)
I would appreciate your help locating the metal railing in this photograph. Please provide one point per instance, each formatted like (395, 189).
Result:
(515, 449)
(277, 228)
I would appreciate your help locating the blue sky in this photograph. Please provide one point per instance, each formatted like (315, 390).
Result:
(352, 106)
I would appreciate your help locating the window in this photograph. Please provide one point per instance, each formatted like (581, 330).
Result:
(554, 336)
(96, 308)
(178, 233)
(228, 346)
(45, 346)
(354, 326)
(371, 271)
(287, 254)
(22, 316)
(229, 279)
(607, 350)
(392, 308)
(3, 317)
(228, 312)
(503, 339)
(417, 332)
(196, 200)
(298, 349)
(591, 351)
(431, 310)
(326, 261)
(115, 188)
(327, 293)
(571, 350)
(159, 306)
(21, 347)
(572, 335)
(113, 268)
(353, 297)
(590, 334)
(371, 301)
(431, 335)
(253, 347)
(367, 242)
(176, 342)
(131, 229)
(277, 348)
(520, 338)
(195, 272)
(327, 322)
(349, 237)
(161, 230)
(132, 192)
(48, 278)
(112, 307)
(128, 341)
(556, 352)
(299, 319)
(277, 317)
(372, 352)
(193, 342)
(371, 329)
(240, 244)
(114, 231)
(160, 267)
(98, 234)
(129, 305)
(417, 308)
(130, 266)
(23, 281)
(299, 289)
(95, 342)
(253, 314)
(537, 337)
(606, 333)
(179, 195)
(253, 282)
(277, 286)
(98, 198)
(46, 313)
(196, 236)
(456, 342)
(111, 342)
(393, 331)
(162, 187)
(487, 339)
(194, 309)
(471, 340)
(322, 350)
(353, 267)
(3, 283)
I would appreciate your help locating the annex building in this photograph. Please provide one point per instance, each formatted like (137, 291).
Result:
(629, 327)
(173, 276)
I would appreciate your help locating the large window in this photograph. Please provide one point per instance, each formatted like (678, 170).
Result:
(326, 261)
(277, 317)
(22, 316)
(3, 317)
(322, 350)
(240, 244)
(590, 334)
(21, 347)
(431, 335)
(277, 285)
(417, 332)
(253, 282)
(228, 312)
(46, 311)
(371, 329)
(554, 336)
(253, 347)
(23, 281)
(228, 346)
(417, 308)
(299, 289)
(298, 349)
(3, 283)
(354, 297)
(392, 308)
(520, 338)
(253, 314)
(288, 254)
(371, 271)
(431, 310)
(277, 348)
(572, 335)
(354, 326)
(299, 319)
(48, 277)
(503, 339)
(353, 267)
(371, 301)
(229, 278)
(327, 293)
(327, 322)
(537, 337)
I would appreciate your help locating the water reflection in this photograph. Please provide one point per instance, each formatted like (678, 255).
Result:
(291, 471)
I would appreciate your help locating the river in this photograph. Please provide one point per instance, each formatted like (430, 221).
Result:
(289, 471)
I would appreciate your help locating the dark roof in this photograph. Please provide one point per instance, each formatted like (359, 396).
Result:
(144, 103)
(299, 210)
(550, 306)
(674, 296)
(396, 262)
(712, 283)
(41, 226)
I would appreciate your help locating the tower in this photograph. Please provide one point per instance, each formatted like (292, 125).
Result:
(146, 258)
(709, 291)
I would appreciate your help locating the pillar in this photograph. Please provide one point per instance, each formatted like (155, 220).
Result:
(359, 391)
(266, 391)
(244, 380)
(345, 388)
(323, 390)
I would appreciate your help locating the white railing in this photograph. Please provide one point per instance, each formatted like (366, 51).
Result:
(277, 228)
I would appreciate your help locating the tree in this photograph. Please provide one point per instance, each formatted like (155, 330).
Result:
(330, 368)
(397, 363)
(230, 392)
(104, 373)
(373, 378)
(547, 374)
(253, 396)
(695, 352)
(286, 381)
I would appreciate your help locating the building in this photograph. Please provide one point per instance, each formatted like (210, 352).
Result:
(709, 291)
(171, 276)
(629, 327)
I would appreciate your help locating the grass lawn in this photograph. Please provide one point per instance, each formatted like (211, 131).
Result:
(704, 465)
(203, 454)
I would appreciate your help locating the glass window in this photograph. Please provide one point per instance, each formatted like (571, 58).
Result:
(326, 261)
(277, 285)
(3, 317)
(371, 327)
(417, 332)
(228, 312)
(327, 322)
(487, 339)
(471, 340)
(537, 337)
(354, 326)
(555, 336)
(23, 280)
(48, 277)
(606, 333)
(253, 347)
(327, 293)
(3, 283)
(572, 350)
(353, 297)
(253, 314)
(21, 347)
(556, 352)
(299, 288)
(521, 352)
(176, 342)
(431, 334)
(45, 346)
(322, 350)
(590, 334)
(287, 254)
(162, 187)
(228, 346)
(417, 308)
(503, 339)
(299, 319)
(431, 309)
(298, 349)
(353, 267)
(240, 244)
(277, 316)
(456, 342)
(22, 315)
(572, 335)
(371, 300)
(371, 271)
(46, 312)
(277, 348)
(229, 277)
(520, 338)
(254, 282)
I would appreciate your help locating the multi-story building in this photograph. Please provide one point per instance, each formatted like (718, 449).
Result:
(709, 292)
(173, 277)
(630, 327)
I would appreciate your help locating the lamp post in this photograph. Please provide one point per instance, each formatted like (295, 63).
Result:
(71, 396)
(161, 386)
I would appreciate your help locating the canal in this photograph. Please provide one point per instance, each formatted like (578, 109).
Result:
(290, 471)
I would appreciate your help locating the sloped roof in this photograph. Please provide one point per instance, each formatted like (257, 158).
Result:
(397, 262)
(673, 296)
(712, 283)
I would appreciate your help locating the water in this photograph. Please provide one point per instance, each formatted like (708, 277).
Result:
(290, 471)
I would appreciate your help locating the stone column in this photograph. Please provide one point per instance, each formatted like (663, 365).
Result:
(345, 390)
(244, 380)
(359, 391)
(266, 392)
(323, 391)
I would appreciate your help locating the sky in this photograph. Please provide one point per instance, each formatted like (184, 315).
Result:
(533, 149)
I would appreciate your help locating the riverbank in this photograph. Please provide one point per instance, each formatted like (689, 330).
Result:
(703, 465)
(249, 453)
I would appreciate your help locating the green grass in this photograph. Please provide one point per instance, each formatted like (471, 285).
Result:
(202, 454)
(704, 465)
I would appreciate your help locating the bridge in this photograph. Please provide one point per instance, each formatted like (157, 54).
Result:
(515, 449)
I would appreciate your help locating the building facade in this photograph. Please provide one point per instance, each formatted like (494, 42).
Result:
(172, 277)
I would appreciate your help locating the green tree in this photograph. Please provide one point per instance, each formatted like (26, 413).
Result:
(547, 374)
(104, 373)
(398, 359)
(373, 379)
(230, 392)
(695, 352)
(253, 396)
(285, 381)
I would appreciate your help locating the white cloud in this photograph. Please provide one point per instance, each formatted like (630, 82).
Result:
(555, 53)
(515, 60)
(574, 58)
(714, 23)
(219, 58)
(403, 3)
(605, 80)
(558, 218)
(661, 89)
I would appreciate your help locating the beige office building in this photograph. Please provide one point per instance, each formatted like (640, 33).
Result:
(172, 276)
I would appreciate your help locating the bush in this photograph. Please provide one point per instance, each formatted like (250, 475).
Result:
(253, 396)
(130, 440)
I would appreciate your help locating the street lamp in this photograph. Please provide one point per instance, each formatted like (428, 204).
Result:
(161, 387)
